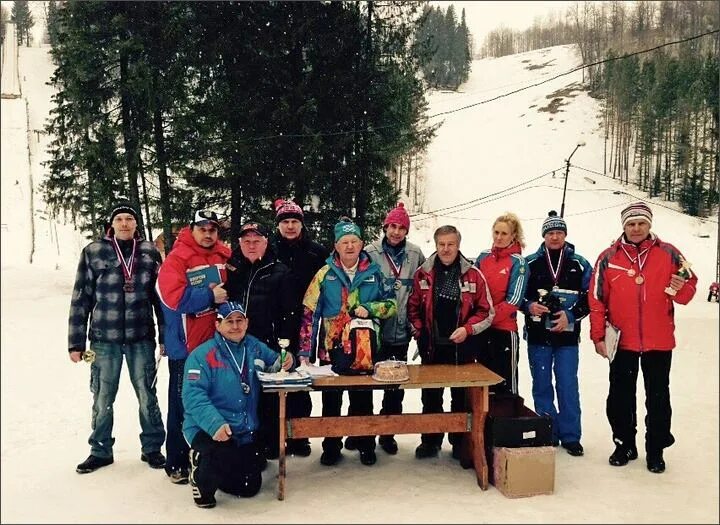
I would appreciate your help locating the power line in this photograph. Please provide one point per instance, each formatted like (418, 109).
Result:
(463, 108)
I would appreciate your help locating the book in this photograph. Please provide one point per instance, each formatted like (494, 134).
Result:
(612, 338)
(201, 277)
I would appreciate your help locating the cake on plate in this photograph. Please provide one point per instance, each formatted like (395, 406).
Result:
(391, 371)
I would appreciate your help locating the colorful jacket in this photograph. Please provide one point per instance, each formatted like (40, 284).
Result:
(397, 329)
(506, 273)
(212, 391)
(475, 311)
(114, 316)
(329, 290)
(573, 279)
(643, 311)
(189, 312)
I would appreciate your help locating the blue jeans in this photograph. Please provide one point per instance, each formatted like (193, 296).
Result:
(176, 447)
(564, 361)
(104, 381)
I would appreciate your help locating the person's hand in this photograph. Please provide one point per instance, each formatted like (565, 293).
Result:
(75, 355)
(361, 312)
(601, 349)
(161, 348)
(459, 335)
(223, 433)
(560, 322)
(676, 282)
(536, 309)
(304, 361)
(287, 364)
(219, 293)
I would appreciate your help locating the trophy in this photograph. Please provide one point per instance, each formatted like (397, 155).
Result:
(88, 355)
(683, 271)
(283, 344)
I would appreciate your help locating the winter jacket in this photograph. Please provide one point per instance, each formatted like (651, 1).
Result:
(329, 290)
(115, 316)
(397, 329)
(304, 257)
(267, 289)
(189, 312)
(644, 313)
(475, 311)
(573, 276)
(506, 273)
(212, 390)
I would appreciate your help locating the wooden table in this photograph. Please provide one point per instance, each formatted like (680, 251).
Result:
(474, 376)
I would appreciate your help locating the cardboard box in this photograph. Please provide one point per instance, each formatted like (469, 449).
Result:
(511, 424)
(525, 471)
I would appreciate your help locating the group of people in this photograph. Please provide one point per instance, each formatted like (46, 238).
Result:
(221, 427)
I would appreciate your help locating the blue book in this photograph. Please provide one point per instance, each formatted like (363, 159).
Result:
(203, 277)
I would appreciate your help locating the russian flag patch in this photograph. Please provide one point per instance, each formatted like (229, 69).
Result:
(193, 374)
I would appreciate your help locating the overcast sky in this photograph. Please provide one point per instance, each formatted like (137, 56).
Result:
(483, 17)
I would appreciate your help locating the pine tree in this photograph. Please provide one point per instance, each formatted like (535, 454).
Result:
(23, 19)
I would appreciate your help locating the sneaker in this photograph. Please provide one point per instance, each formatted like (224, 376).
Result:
(92, 463)
(574, 448)
(426, 450)
(153, 459)
(655, 462)
(351, 443)
(368, 457)
(622, 455)
(178, 475)
(388, 444)
(330, 457)
(298, 447)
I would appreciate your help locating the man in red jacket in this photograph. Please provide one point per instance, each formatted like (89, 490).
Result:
(634, 286)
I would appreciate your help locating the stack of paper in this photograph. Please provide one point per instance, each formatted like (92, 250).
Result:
(284, 379)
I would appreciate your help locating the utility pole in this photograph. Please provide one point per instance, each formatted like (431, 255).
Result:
(567, 172)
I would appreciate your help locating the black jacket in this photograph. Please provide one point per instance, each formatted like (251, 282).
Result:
(573, 275)
(268, 291)
(304, 257)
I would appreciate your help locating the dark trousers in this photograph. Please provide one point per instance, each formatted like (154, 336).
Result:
(498, 350)
(361, 404)
(176, 447)
(299, 404)
(229, 466)
(432, 398)
(392, 399)
(622, 405)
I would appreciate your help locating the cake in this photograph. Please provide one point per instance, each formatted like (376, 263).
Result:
(391, 371)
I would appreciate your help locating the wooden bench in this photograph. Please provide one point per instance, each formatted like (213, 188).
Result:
(475, 377)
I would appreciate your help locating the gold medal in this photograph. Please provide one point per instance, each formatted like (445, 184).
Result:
(631, 272)
(398, 284)
(639, 279)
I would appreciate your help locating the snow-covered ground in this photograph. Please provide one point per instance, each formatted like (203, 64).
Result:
(478, 152)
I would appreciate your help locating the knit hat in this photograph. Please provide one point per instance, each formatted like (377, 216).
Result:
(230, 307)
(346, 227)
(254, 227)
(398, 215)
(124, 206)
(636, 211)
(287, 209)
(203, 217)
(553, 222)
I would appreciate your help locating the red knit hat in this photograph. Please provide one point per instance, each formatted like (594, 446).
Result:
(287, 209)
(399, 216)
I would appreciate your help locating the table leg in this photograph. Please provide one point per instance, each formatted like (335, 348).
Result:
(479, 401)
(281, 454)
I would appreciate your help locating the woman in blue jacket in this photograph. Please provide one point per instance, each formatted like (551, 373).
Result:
(220, 396)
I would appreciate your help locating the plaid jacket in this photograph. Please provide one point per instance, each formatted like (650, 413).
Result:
(114, 316)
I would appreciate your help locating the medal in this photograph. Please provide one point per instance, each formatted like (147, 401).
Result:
(555, 288)
(398, 284)
(631, 272)
(639, 279)
(128, 267)
(245, 387)
(128, 287)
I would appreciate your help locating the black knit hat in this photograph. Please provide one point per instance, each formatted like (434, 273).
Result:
(124, 206)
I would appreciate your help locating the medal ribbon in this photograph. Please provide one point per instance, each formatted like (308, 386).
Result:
(394, 268)
(640, 260)
(243, 378)
(555, 271)
(128, 267)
